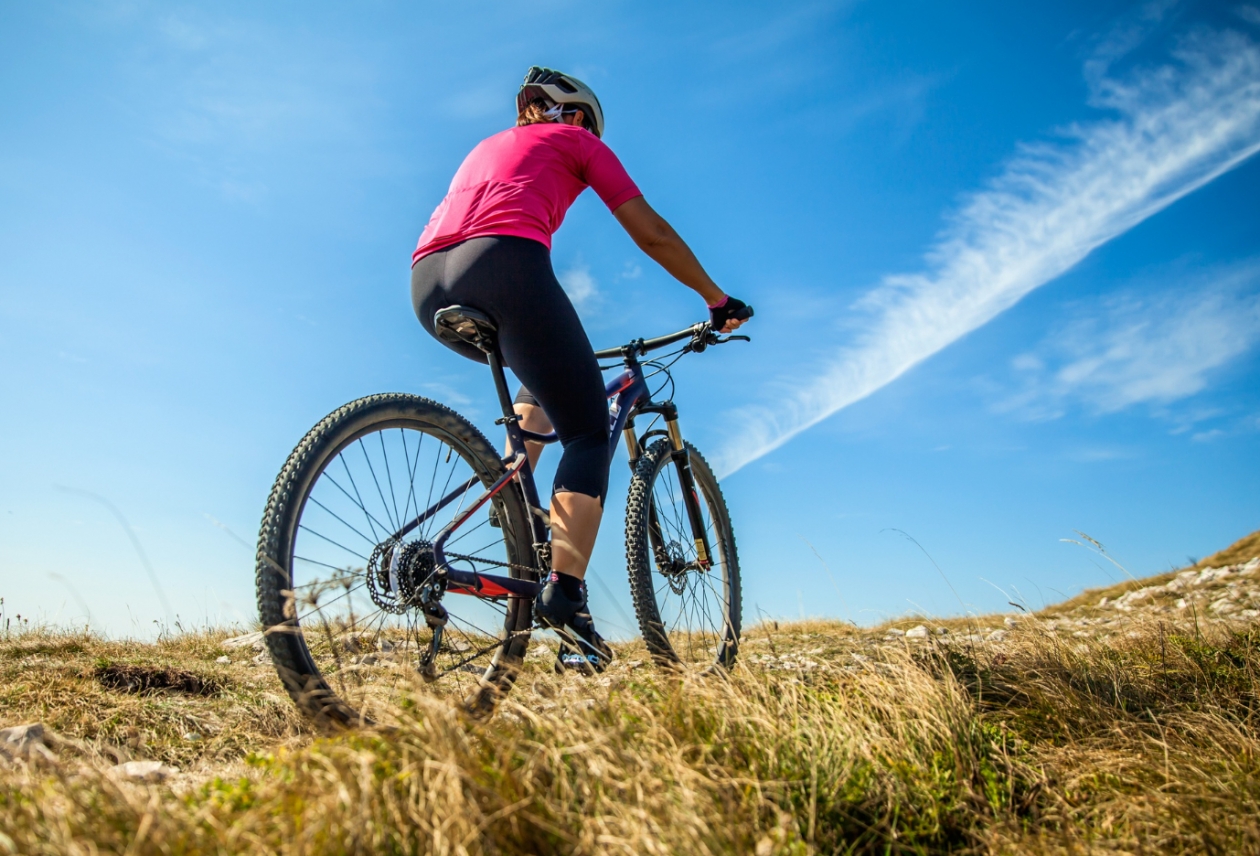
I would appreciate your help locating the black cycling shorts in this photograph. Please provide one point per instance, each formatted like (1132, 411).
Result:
(510, 279)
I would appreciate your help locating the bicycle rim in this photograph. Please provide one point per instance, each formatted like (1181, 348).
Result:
(689, 613)
(351, 642)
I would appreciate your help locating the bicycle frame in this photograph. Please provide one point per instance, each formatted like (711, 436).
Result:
(628, 397)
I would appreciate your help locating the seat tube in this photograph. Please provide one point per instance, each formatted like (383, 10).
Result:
(682, 460)
(516, 446)
(510, 421)
(500, 381)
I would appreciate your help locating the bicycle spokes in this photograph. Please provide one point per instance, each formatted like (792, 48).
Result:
(374, 598)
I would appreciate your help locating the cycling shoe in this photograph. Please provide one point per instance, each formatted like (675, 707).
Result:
(553, 608)
(581, 646)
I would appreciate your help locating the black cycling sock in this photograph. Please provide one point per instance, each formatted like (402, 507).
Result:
(570, 585)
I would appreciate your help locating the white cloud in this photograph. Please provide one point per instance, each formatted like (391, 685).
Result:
(1142, 348)
(1178, 127)
(1125, 35)
(579, 285)
(1250, 14)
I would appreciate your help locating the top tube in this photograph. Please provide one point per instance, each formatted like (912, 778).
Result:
(639, 347)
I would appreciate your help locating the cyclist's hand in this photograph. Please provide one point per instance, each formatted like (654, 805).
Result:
(727, 316)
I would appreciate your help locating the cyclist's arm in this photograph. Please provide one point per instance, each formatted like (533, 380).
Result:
(659, 240)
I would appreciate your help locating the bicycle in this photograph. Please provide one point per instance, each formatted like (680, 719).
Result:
(363, 584)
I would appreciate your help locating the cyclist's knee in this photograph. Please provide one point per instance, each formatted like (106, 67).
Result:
(533, 418)
(584, 467)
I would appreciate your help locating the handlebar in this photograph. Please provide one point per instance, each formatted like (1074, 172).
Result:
(701, 336)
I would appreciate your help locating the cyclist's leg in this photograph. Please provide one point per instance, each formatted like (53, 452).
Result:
(532, 419)
(543, 342)
(575, 519)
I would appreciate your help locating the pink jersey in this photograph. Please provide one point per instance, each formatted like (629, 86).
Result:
(521, 182)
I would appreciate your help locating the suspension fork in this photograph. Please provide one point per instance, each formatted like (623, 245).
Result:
(687, 482)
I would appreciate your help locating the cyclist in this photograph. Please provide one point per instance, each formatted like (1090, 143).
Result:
(488, 246)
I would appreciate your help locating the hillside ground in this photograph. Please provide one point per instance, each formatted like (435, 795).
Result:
(1124, 720)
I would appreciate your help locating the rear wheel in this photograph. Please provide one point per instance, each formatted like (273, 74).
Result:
(689, 613)
(340, 592)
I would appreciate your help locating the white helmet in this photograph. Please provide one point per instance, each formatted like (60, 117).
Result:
(556, 87)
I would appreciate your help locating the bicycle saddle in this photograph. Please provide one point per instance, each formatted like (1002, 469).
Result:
(455, 324)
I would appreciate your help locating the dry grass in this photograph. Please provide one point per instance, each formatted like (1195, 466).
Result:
(827, 739)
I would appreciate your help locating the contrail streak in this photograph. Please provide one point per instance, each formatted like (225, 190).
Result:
(1179, 127)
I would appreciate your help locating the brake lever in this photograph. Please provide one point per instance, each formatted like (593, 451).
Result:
(733, 338)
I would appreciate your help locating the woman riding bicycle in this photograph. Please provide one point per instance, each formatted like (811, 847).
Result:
(488, 246)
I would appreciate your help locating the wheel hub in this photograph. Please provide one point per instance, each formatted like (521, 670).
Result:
(400, 576)
(673, 566)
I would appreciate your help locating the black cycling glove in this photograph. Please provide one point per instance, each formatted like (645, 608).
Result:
(732, 308)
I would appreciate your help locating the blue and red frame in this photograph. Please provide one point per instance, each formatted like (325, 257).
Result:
(628, 397)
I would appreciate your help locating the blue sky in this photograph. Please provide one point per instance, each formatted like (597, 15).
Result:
(1005, 260)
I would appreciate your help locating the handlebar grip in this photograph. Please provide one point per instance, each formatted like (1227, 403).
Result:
(743, 314)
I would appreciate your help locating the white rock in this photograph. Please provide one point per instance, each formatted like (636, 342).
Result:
(192, 737)
(249, 640)
(25, 741)
(1104, 602)
(997, 636)
(224, 660)
(1181, 603)
(918, 632)
(1010, 621)
(941, 631)
(1207, 575)
(262, 659)
(893, 631)
(143, 771)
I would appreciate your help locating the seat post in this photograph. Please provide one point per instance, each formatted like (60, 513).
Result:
(510, 421)
(500, 380)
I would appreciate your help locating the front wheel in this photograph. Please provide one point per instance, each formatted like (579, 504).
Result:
(689, 611)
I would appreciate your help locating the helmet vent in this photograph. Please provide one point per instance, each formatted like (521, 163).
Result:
(566, 86)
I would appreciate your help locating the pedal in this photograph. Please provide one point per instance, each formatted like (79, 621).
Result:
(563, 655)
(576, 654)
(584, 663)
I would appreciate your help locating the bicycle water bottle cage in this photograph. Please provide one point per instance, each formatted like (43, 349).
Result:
(456, 324)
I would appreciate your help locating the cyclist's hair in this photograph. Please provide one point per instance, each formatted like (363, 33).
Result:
(539, 111)
(535, 113)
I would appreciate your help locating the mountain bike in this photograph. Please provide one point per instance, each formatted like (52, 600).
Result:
(399, 547)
